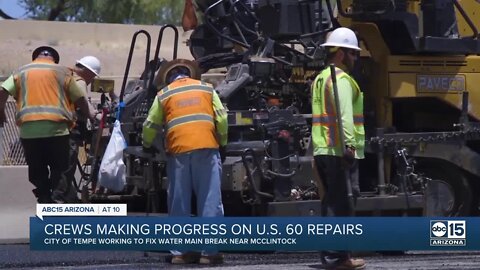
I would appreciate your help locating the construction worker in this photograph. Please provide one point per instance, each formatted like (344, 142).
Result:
(335, 165)
(85, 70)
(195, 126)
(46, 95)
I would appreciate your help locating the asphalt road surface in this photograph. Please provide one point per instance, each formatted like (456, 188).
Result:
(20, 257)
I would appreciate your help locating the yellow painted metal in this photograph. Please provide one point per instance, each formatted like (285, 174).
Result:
(472, 8)
(392, 77)
(377, 53)
(444, 78)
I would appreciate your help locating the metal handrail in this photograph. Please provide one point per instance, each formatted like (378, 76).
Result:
(467, 19)
(129, 60)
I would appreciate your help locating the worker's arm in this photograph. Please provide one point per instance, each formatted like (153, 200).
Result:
(83, 85)
(7, 88)
(113, 96)
(345, 97)
(84, 106)
(152, 124)
(3, 101)
(79, 98)
(221, 119)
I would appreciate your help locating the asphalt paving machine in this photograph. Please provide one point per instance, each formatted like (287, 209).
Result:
(418, 70)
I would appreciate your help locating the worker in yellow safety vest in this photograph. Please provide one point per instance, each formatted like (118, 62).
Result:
(195, 127)
(46, 96)
(335, 165)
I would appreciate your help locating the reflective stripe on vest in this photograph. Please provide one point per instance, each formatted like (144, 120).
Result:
(41, 110)
(35, 102)
(330, 121)
(358, 119)
(183, 89)
(330, 109)
(187, 119)
(326, 120)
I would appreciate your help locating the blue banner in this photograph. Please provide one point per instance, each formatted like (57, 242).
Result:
(254, 233)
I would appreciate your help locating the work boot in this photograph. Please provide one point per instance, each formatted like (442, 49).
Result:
(211, 259)
(43, 197)
(186, 258)
(349, 264)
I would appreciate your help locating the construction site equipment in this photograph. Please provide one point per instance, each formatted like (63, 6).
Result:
(418, 71)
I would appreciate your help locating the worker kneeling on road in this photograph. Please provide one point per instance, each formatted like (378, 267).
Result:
(195, 125)
(46, 95)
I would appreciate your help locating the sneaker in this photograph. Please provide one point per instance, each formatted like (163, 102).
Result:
(186, 258)
(350, 264)
(211, 259)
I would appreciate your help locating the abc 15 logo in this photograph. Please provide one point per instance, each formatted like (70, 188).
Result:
(451, 229)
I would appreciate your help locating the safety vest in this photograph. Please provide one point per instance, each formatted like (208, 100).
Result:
(325, 131)
(41, 93)
(189, 116)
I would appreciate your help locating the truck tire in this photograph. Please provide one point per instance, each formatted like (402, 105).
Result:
(448, 193)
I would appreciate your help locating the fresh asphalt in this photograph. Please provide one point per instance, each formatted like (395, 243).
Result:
(21, 257)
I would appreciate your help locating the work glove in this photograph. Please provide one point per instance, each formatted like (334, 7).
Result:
(349, 156)
(223, 153)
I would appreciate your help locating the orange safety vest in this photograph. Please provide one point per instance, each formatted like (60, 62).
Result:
(189, 116)
(41, 93)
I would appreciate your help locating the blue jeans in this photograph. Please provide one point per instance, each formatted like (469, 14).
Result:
(200, 171)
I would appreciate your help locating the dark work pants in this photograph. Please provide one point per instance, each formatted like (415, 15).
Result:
(47, 160)
(335, 202)
(65, 191)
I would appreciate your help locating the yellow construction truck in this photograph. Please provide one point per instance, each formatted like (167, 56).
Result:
(419, 71)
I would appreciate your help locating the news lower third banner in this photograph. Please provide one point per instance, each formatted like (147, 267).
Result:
(254, 233)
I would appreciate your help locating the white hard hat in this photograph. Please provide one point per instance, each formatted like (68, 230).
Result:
(342, 37)
(92, 63)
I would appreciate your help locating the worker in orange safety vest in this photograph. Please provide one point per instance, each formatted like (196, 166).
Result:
(195, 128)
(46, 96)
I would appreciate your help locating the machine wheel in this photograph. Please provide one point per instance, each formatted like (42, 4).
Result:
(448, 193)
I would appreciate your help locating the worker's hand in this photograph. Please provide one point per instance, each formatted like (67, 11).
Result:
(349, 156)
(98, 115)
(92, 117)
(223, 153)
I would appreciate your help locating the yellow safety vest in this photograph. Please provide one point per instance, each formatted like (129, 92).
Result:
(325, 133)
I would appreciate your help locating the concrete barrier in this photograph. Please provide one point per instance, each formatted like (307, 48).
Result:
(109, 42)
(17, 204)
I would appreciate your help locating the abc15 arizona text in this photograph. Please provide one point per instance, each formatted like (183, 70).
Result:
(448, 233)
